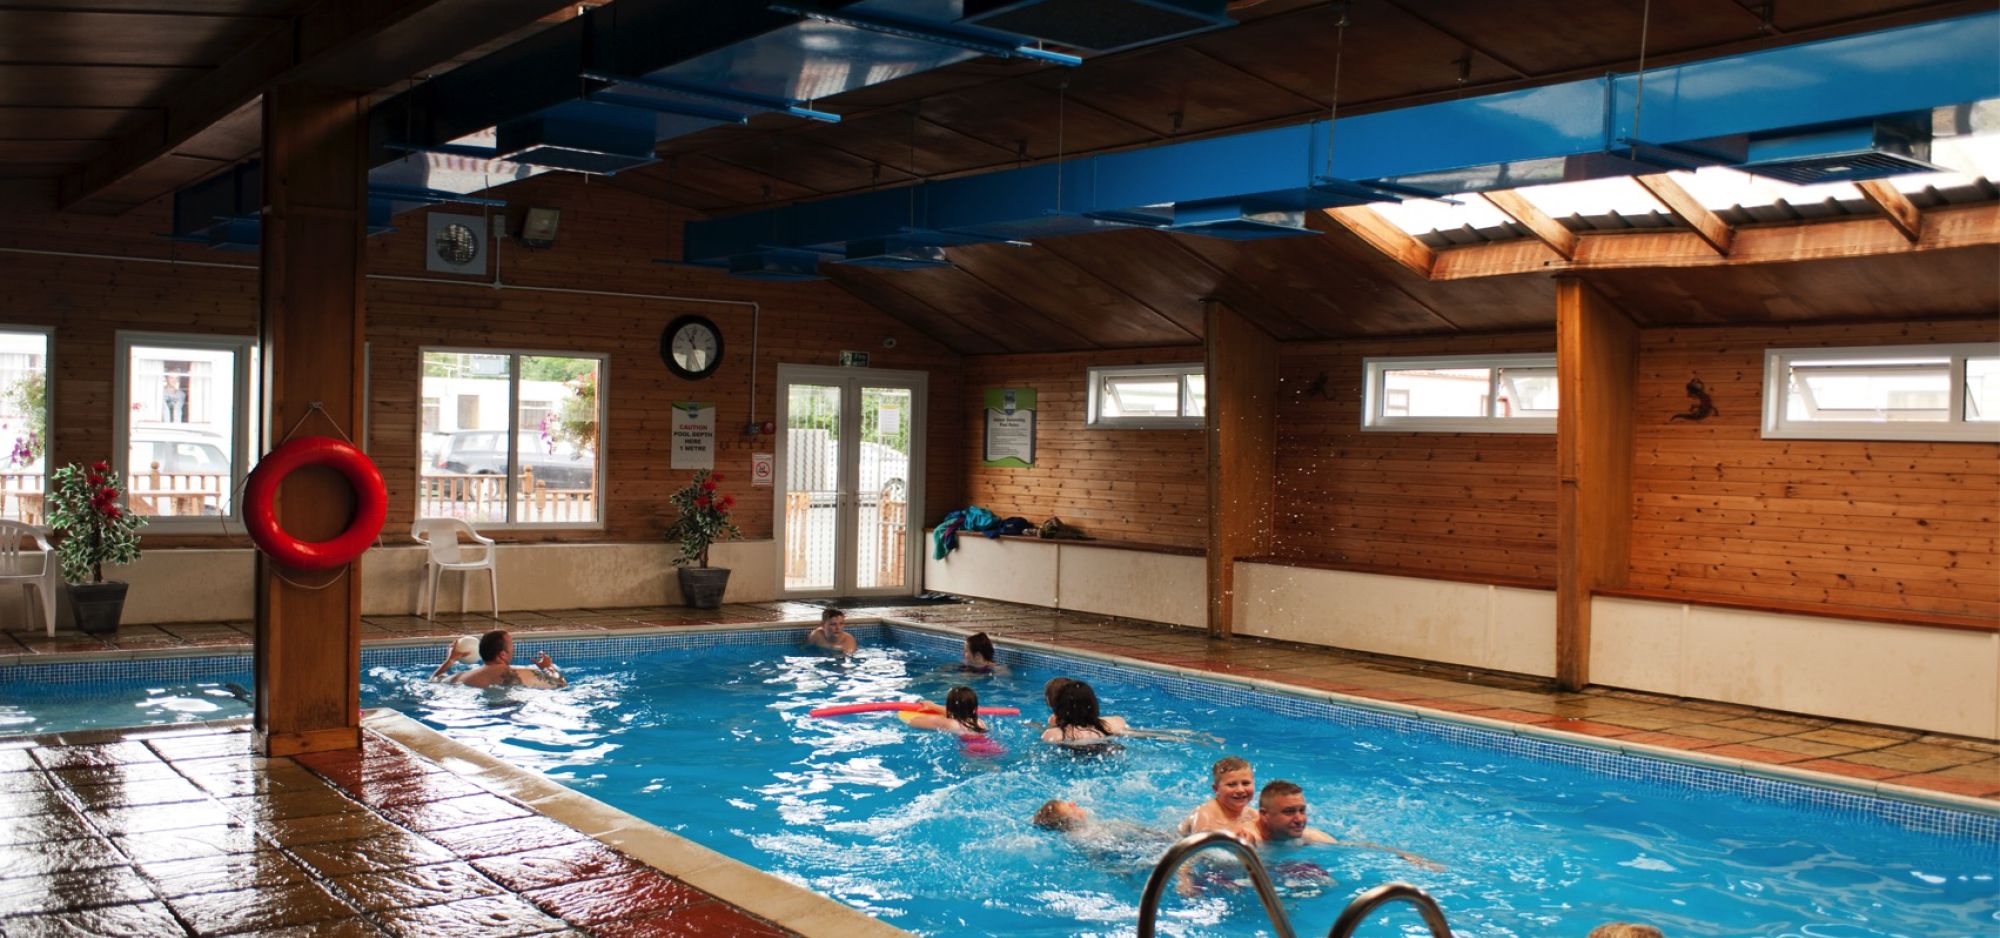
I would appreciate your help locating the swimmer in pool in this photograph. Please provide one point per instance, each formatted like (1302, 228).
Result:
(1130, 847)
(961, 715)
(1281, 820)
(1115, 726)
(979, 658)
(497, 669)
(1625, 930)
(832, 633)
(1076, 722)
(1233, 808)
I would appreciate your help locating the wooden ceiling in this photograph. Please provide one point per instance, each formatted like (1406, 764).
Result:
(108, 104)
(1139, 288)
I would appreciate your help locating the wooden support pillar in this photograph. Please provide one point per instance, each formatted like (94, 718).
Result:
(308, 638)
(1597, 352)
(1242, 408)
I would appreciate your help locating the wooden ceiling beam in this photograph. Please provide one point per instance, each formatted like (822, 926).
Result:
(1712, 230)
(1943, 229)
(1544, 229)
(1894, 205)
(1383, 235)
(358, 45)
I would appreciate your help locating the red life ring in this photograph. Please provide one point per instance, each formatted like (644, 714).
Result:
(371, 503)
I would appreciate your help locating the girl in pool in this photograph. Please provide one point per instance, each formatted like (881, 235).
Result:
(979, 657)
(961, 715)
(1234, 806)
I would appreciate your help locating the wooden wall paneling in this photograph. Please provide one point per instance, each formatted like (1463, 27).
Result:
(1597, 350)
(1242, 413)
(879, 290)
(1892, 527)
(1472, 505)
(989, 309)
(1140, 486)
(1330, 294)
(308, 630)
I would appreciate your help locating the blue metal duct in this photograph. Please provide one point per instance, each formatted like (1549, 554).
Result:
(225, 211)
(596, 94)
(1780, 110)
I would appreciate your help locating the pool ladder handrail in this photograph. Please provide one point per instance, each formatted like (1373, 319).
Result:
(1163, 872)
(1356, 911)
(1343, 927)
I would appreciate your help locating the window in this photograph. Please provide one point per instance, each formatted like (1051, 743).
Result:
(1896, 392)
(546, 472)
(1461, 394)
(185, 442)
(1148, 396)
(24, 424)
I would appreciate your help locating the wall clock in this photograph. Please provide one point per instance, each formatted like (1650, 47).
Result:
(691, 347)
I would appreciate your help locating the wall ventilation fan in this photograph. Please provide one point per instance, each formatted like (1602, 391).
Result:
(455, 244)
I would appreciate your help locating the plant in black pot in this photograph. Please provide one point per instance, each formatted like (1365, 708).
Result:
(704, 520)
(86, 510)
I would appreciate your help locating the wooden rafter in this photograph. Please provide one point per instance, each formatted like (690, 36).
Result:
(1897, 207)
(1712, 230)
(1383, 235)
(1545, 229)
(1944, 229)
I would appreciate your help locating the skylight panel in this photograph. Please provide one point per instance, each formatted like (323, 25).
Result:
(1423, 216)
(1593, 197)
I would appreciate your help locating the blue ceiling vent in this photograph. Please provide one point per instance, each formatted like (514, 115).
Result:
(592, 147)
(1234, 221)
(1098, 25)
(894, 254)
(776, 264)
(1843, 154)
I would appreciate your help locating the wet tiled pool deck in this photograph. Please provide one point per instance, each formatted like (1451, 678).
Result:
(183, 830)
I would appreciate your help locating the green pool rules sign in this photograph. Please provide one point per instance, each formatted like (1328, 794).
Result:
(1010, 427)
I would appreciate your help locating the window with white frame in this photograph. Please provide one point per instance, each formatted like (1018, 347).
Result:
(547, 471)
(1891, 392)
(24, 423)
(185, 440)
(1148, 396)
(1461, 394)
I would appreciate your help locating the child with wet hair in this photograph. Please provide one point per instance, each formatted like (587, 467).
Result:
(1625, 930)
(1234, 807)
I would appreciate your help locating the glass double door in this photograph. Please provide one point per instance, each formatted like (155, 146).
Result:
(850, 480)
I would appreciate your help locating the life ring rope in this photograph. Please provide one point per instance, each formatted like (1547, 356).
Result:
(260, 493)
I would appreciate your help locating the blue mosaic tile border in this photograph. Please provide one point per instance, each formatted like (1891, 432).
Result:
(22, 679)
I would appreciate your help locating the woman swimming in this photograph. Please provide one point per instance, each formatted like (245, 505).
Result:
(1112, 725)
(1076, 722)
(979, 656)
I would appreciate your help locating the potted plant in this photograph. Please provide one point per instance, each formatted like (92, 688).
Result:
(85, 510)
(704, 520)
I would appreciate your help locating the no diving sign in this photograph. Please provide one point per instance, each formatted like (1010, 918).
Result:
(763, 466)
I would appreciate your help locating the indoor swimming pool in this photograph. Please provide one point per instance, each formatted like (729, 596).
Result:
(707, 735)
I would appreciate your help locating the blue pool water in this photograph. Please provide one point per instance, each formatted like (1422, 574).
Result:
(1536, 839)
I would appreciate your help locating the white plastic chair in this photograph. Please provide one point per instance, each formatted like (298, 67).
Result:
(448, 552)
(36, 570)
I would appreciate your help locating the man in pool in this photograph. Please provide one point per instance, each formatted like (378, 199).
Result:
(497, 669)
(1281, 820)
(832, 633)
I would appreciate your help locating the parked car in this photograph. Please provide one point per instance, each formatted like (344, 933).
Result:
(484, 453)
(178, 452)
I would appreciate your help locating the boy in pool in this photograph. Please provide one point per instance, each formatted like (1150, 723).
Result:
(1131, 847)
(832, 633)
(496, 669)
(1232, 810)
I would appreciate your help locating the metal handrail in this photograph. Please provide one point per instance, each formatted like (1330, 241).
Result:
(1350, 918)
(1156, 885)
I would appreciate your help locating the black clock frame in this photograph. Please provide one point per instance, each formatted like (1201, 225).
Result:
(667, 347)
